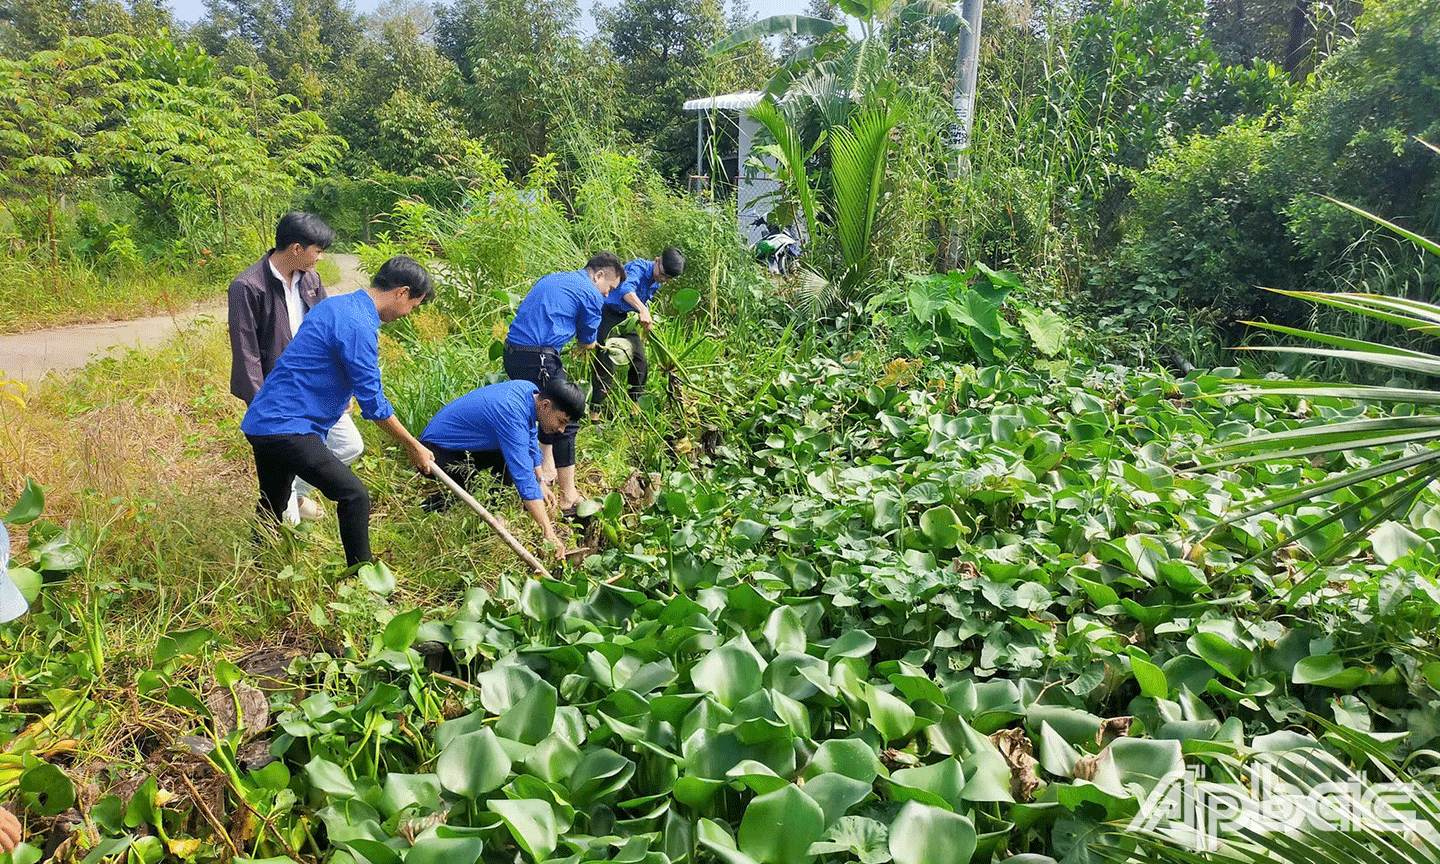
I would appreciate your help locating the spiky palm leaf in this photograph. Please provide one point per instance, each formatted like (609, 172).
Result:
(1367, 839)
(1408, 474)
(858, 153)
(794, 155)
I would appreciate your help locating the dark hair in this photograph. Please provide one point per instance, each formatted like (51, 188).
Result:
(605, 261)
(565, 396)
(672, 262)
(307, 229)
(404, 270)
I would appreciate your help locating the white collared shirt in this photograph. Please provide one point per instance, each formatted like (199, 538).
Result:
(293, 305)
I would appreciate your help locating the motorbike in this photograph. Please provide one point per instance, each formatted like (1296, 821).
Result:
(777, 249)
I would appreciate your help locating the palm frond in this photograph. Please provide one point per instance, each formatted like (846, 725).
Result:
(1414, 362)
(1330, 339)
(1428, 245)
(1404, 395)
(815, 292)
(1411, 473)
(1357, 434)
(795, 155)
(1410, 314)
(778, 25)
(857, 157)
(1368, 834)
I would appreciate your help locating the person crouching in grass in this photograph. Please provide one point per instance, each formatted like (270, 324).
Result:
(334, 356)
(496, 429)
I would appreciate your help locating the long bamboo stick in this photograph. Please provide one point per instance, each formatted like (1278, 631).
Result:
(493, 522)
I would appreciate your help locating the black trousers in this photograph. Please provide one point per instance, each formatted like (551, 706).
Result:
(462, 466)
(538, 366)
(279, 459)
(638, 372)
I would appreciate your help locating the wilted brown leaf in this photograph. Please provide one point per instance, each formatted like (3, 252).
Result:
(1019, 754)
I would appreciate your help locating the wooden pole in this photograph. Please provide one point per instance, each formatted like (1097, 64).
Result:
(493, 522)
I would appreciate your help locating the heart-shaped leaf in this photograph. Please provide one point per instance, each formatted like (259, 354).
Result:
(530, 719)
(473, 764)
(532, 822)
(729, 673)
(922, 834)
(779, 827)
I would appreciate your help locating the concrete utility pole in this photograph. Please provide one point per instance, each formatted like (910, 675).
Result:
(967, 63)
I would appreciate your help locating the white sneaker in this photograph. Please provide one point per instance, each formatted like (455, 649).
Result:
(310, 509)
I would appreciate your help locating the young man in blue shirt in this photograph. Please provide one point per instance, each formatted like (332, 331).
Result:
(643, 277)
(495, 429)
(334, 356)
(561, 307)
(267, 303)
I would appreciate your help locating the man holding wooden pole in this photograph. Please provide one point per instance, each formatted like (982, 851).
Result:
(496, 429)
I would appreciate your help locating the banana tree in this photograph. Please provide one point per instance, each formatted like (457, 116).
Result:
(1407, 440)
(857, 61)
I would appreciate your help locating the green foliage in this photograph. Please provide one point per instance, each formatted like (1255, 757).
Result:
(1414, 428)
(1205, 230)
(391, 102)
(961, 315)
(226, 150)
(659, 49)
(52, 105)
(525, 74)
(507, 234)
(294, 41)
(1352, 133)
(1225, 214)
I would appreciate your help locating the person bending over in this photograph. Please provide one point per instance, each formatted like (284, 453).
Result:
(561, 307)
(267, 302)
(495, 429)
(643, 277)
(334, 356)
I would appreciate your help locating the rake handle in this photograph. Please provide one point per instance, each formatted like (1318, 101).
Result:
(492, 521)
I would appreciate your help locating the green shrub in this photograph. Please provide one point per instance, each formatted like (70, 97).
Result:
(1352, 133)
(1204, 231)
(359, 209)
(1218, 216)
(504, 235)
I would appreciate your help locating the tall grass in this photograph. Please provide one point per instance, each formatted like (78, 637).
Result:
(35, 296)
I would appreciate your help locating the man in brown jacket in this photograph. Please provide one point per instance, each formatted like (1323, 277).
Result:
(267, 304)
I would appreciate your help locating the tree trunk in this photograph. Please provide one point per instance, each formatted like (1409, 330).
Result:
(50, 196)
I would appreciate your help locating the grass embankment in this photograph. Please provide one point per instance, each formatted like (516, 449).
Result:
(36, 299)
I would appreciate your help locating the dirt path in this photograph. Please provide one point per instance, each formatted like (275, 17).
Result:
(29, 357)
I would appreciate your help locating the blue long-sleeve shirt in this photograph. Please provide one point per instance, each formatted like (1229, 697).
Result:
(639, 280)
(335, 355)
(498, 417)
(561, 307)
